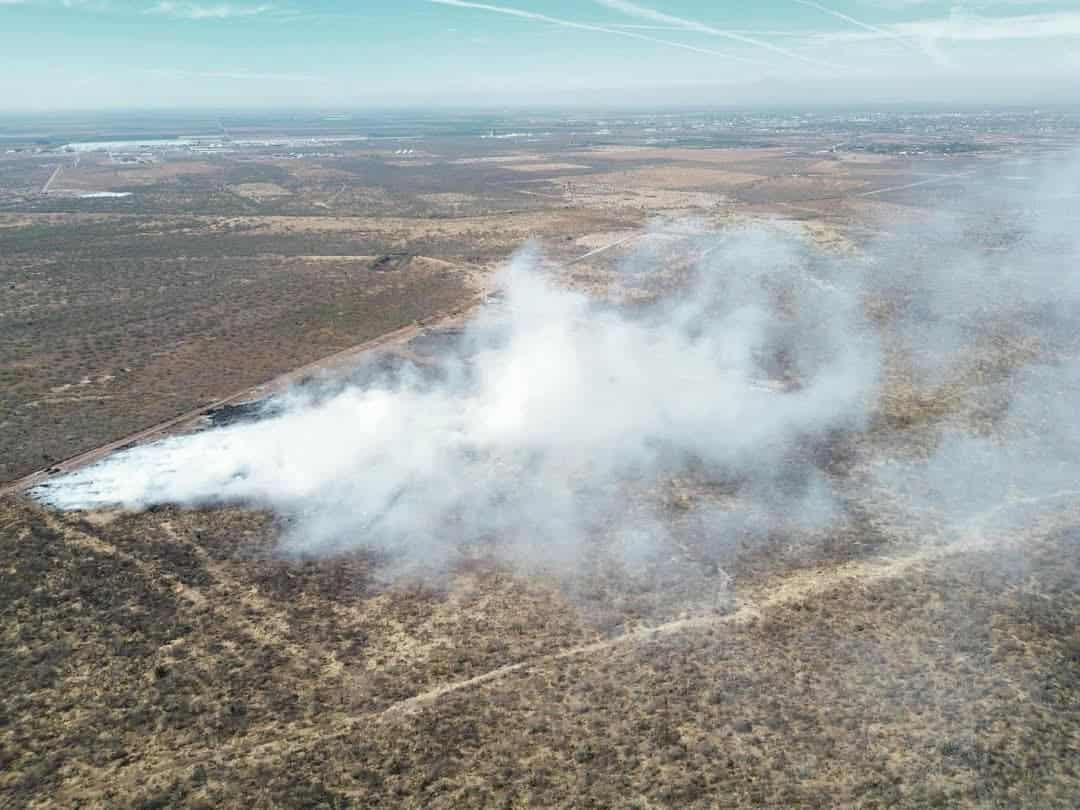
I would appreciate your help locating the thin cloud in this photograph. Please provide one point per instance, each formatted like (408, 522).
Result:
(603, 29)
(237, 75)
(969, 28)
(971, 4)
(750, 32)
(864, 25)
(196, 11)
(641, 12)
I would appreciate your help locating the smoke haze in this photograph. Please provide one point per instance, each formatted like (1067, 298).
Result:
(941, 356)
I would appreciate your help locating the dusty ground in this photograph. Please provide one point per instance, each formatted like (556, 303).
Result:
(170, 658)
(177, 658)
(219, 272)
(216, 275)
(96, 348)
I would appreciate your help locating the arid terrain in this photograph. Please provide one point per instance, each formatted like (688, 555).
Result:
(179, 657)
(225, 260)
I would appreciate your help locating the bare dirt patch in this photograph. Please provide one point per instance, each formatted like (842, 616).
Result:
(552, 166)
(674, 177)
(260, 191)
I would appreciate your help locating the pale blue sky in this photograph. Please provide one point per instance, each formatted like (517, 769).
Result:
(77, 54)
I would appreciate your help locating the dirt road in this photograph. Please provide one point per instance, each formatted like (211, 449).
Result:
(52, 179)
(785, 590)
(338, 360)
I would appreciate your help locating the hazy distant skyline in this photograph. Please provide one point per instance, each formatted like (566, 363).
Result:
(84, 54)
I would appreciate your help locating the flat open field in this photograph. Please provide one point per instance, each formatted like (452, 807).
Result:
(107, 332)
(221, 268)
(896, 655)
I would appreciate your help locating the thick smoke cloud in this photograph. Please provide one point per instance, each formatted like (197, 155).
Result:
(550, 408)
(943, 356)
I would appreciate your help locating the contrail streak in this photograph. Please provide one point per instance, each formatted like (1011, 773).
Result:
(751, 32)
(885, 32)
(544, 18)
(634, 10)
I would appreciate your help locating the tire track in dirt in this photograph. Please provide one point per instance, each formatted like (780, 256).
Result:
(787, 590)
(797, 588)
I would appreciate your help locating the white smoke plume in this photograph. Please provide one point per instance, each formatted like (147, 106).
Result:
(550, 406)
(557, 416)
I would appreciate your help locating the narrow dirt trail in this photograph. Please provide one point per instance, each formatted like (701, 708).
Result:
(791, 589)
(52, 179)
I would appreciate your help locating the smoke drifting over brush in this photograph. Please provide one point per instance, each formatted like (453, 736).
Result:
(556, 414)
(551, 404)
(989, 317)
